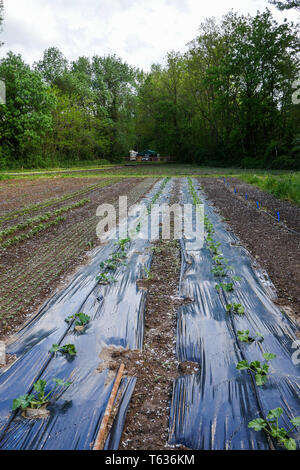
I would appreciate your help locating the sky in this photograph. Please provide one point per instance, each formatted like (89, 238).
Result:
(141, 32)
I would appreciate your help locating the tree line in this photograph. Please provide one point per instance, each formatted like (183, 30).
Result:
(228, 100)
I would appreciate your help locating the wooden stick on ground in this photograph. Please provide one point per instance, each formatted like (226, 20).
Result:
(100, 440)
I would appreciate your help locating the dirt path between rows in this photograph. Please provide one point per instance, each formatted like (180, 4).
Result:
(274, 248)
(156, 367)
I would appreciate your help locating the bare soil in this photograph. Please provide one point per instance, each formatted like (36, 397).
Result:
(289, 211)
(31, 271)
(275, 249)
(18, 193)
(156, 367)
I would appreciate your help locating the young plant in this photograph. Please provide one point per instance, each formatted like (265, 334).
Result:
(244, 337)
(219, 271)
(105, 279)
(38, 398)
(271, 426)
(123, 242)
(109, 264)
(66, 349)
(260, 370)
(235, 308)
(228, 287)
(148, 274)
(81, 319)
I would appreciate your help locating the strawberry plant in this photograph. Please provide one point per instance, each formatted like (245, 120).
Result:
(244, 337)
(38, 397)
(66, 349)
(105, 279)
(271, 426)
(260, 370)
(236, 308)
(81, 319)
(122, 243)
(228, 287)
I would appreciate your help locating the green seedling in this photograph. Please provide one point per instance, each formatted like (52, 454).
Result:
(260, 370)
(123, 242)
(38, 398)
(148, 274)
(236, 308)
(109, 264)
(105, 279)
(244, 337)
(219, 260)
(271, 426)
(214, 248)
(228, 287)
(66, 349)
(117, 256)
(218, 271)
(81, 319)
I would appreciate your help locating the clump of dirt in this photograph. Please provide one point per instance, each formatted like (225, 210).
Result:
(9, 360)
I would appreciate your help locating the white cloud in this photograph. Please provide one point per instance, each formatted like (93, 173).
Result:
(139, 31)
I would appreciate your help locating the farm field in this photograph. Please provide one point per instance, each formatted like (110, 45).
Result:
(173, 316)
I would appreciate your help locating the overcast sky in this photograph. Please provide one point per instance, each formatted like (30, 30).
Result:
(139, 31)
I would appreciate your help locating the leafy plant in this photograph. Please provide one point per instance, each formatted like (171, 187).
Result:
(66, 349)
(243, 336)
(271, 426)
(81, 319)
(123, 242)
(104, 278)
(228, 287)
(148, 274)
(236, 308)
(260, 370)
(38, 398)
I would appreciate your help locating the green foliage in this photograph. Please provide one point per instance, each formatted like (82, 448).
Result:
(271, 426)
(35, 222)
(236, 308)
(66, 349)
(286, 186)
(227, 101)
(39, 397)
(104, 278)
(227, 286)
(286, 4)
(26, 116)
(81, 319)
(243, 336)
(260, 370)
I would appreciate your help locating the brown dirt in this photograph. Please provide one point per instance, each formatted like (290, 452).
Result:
(273, 247)
(289, 211)
(31, 271)
(156, 367)
(17, 194)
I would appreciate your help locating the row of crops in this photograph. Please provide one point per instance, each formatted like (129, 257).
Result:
(245, 395)
(57, 362)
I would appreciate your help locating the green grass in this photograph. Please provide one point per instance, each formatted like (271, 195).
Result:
(283, 186)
